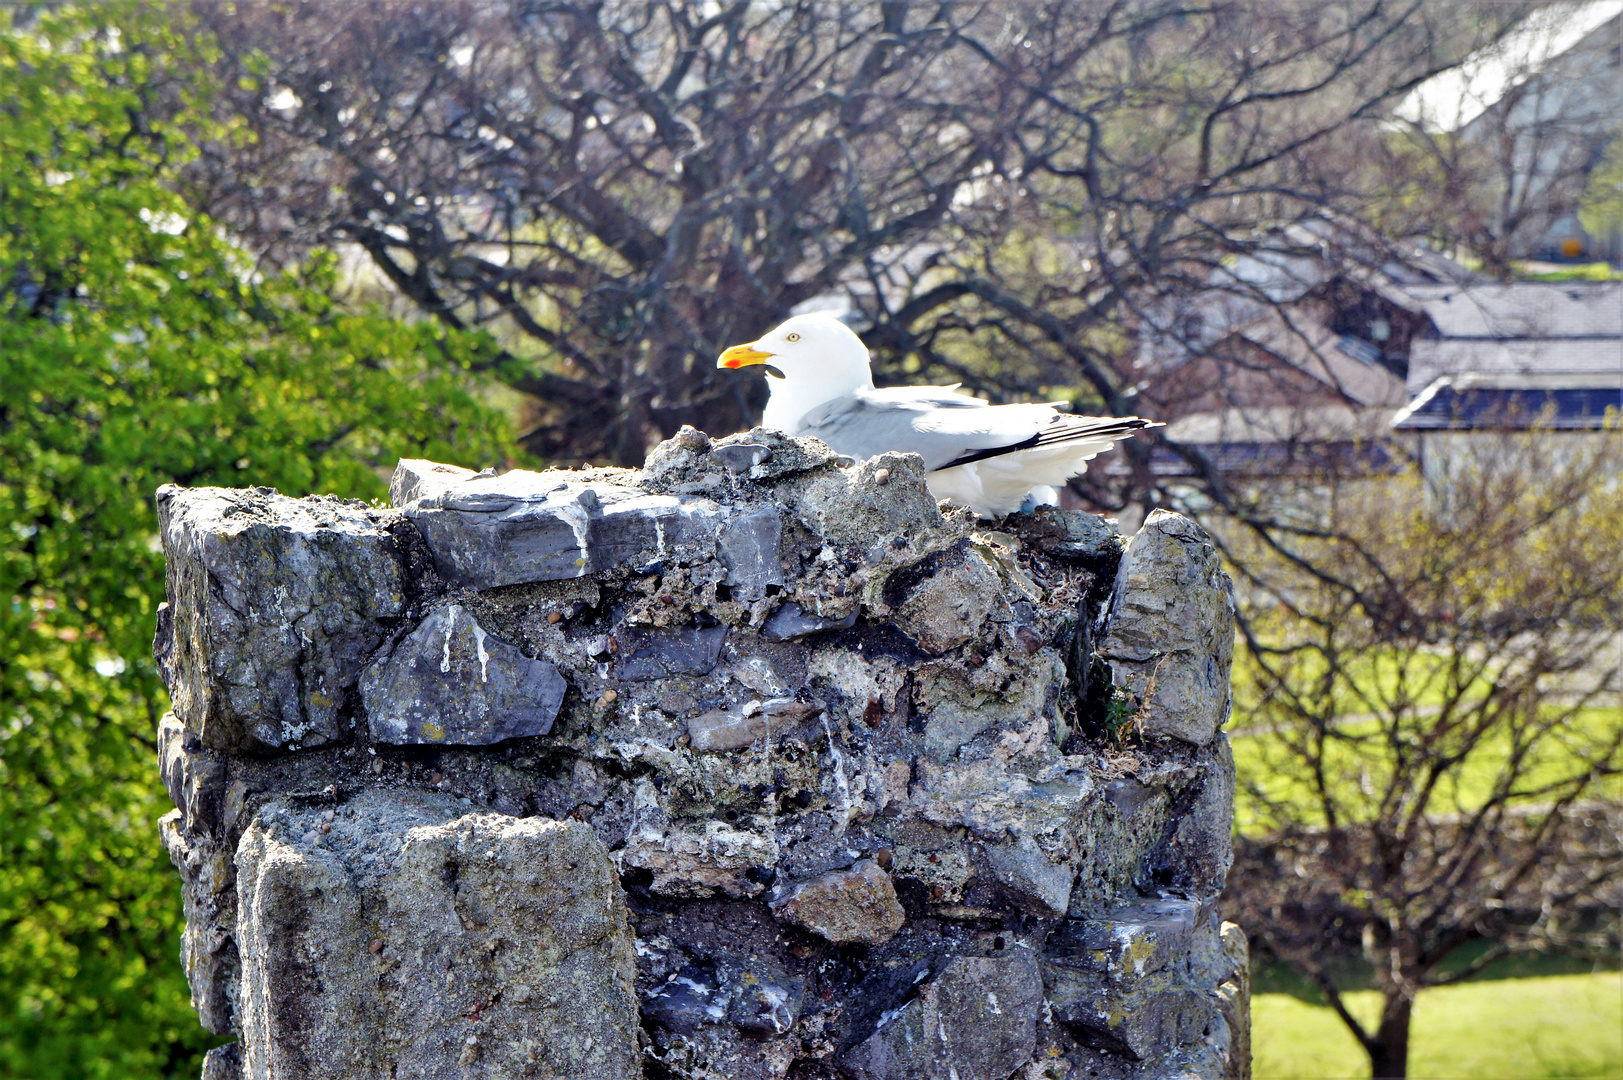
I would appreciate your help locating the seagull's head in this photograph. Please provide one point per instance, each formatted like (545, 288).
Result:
(810, 359)
(816, 347)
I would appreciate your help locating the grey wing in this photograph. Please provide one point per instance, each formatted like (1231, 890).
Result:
(933, 422)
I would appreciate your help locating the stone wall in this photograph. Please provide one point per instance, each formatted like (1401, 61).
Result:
(749, 764)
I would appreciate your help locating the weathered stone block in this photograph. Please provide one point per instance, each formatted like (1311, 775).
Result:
(686, 1002)
(223, 1063)
(448, 682)
(1234, 1001)
(755, 998)
(957, 711)
(526, 526)
(193, 775)
(868, 506)
(765, 1002)
(855, 905)
(740, 458)
(1071, 534)
(943, 601)
(1198, 845)
(1141, 1021)
(749, 544)
(977, 1020)
(277, 605)
(699, 862)
(646, 653)
(208, 948)
(1170, 635)
(415, 479)
(1038, 882)
(390, 942)
(1136, 938)
(790, 621)
(733, 729)
(1125, 982)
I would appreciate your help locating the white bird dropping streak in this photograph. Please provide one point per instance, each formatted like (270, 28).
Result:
(839, 772)
(484, 657)
(450, 625)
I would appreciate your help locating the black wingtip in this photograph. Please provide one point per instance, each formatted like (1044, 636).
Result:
(1070, 429)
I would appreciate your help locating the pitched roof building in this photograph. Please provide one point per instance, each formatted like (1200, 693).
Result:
(1515, 355)
(1295, 357)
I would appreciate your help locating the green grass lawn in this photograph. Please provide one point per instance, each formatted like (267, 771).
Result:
(1359, 763)
(1596, 271)
(1504, 1029)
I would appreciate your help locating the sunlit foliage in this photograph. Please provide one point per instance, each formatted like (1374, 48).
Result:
(138, 347)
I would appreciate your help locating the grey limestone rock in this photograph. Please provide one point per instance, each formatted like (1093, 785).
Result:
(685, 1002)
(223, 1063)
(416, 479)
(1170, 637)
(752, 997)
(732, 729)
(749, 545)
(1197, 847)
(945, 600)
(769, 455)
(1234, 1001)
(1139, 937)
(644, 653)
(699, 862)
(868, 506)
(524, 526)
(960, 711)
(1072, 534)
(976, 1020)
(790, 621)
(740, 458)
(208, 948)
(412, 938)
(1139, 1021)
(277, 605)
(449, 682)
(195, 780)
(855, 905)
(193, 776)
(691, 461)
(766, 1003)
(1135, 981)
(1037, 881)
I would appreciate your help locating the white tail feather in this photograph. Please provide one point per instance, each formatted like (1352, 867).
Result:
(999, 485)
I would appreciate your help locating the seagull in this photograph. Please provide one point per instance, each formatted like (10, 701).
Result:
(991, 458)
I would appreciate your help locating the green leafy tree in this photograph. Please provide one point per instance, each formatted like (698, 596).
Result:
(137, 347)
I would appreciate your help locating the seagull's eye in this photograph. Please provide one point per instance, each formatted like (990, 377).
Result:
(793, 337)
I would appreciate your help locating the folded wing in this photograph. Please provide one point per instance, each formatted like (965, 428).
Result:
(950, 429)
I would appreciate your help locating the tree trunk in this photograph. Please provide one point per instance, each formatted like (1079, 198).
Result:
(1389, 1048)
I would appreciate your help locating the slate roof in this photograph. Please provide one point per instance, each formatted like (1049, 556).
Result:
(1265, 459)
(1524, 309)
(1450, 405)
(1516, 355)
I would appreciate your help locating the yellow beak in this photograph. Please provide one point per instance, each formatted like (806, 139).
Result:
(742, 356)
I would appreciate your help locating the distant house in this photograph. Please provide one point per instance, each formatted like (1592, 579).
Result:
(1292, 354)
(1508, 356)
(1297, 360)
